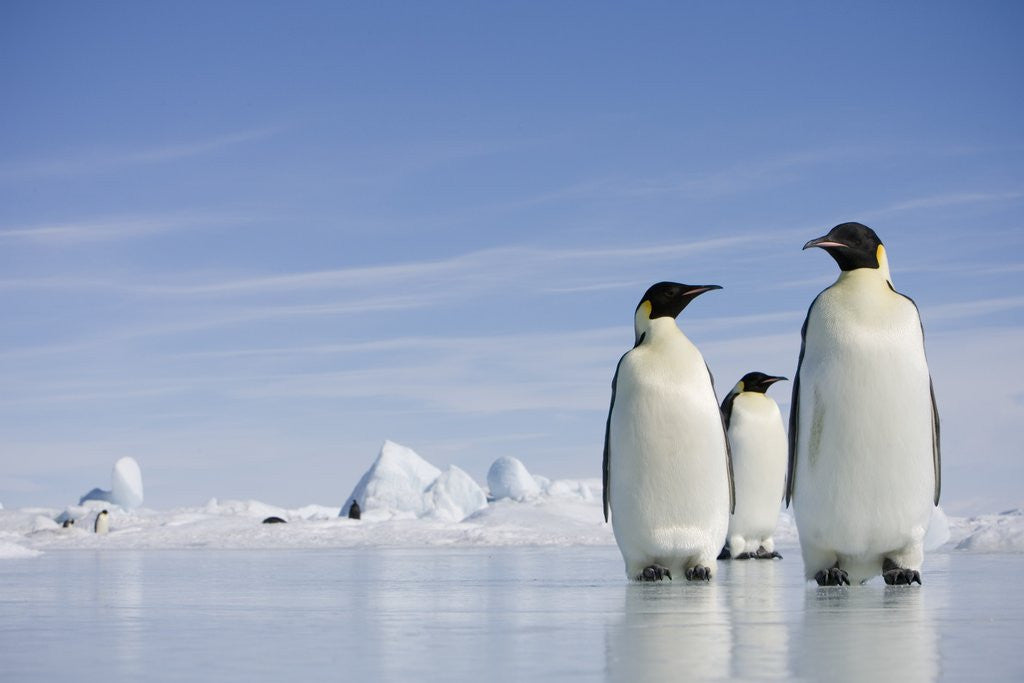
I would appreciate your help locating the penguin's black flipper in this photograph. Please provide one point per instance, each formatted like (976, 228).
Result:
(794, 409)
(936, 450)
(728, 449)
(606, 465)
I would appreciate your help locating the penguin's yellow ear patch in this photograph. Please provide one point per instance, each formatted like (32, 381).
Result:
(646, 308)
(883, 262)
(739, 388)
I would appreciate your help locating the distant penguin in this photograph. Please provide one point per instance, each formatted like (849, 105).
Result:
(864, 465)
(68, 523)
(759, 454)
(102, 524)
(274, 520)
(353, 510)
(667, 471)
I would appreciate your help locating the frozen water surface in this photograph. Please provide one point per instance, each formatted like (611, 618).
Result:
(514, 613)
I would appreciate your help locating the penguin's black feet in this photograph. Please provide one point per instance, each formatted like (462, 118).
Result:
(654, 573)
(895, 575)
(763, 554)
(832, 577)
(699, 573)
(746, 556)
(725, 554)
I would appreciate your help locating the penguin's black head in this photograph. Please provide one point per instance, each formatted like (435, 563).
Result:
(852, 245)
(103, 512)
(668, 299)
(759, 382)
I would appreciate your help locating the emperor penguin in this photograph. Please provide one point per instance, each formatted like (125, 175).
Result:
(667, 469)
(864, 462)
(757, 439)
(102, 524)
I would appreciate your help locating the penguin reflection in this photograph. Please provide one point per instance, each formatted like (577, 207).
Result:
(886, 634)
(669, 632)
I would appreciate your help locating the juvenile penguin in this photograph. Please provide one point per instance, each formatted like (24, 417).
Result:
(864, 465)
(667, 470)
(102, 524)
(757, 439)
(353, 510)
(68, 523)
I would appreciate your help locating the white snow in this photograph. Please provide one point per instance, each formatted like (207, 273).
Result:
(126, 486)
(407, 502)
(508, 478)
(395, 485)
(568, 513)
(990, 533)
(454, 495)
(12, 551)
(938, 530)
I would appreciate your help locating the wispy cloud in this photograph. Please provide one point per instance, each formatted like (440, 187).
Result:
(544, 269)
(977, 308)
(110, 159)
(944, 200)
(74, 233)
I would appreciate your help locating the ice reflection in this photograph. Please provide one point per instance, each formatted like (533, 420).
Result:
(870, 632)
(757, 610)
(669, 632)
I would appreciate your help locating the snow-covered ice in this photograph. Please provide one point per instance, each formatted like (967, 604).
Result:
(567, 513)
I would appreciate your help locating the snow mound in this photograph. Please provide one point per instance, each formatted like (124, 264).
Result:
(395, 485)
(84, 514)
(994, 533)
(509, 478)
(454, 495)
(126, 486)
(938, 530)
(569, 488)
(247, 508)
(13, 551)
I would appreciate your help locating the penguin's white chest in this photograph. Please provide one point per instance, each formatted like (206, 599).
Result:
(669, 481)
(759, 457)
(864, 473)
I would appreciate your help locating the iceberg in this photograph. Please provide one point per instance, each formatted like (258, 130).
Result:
(454, 495)
(395, 485)
(509, 478)
(126, 486)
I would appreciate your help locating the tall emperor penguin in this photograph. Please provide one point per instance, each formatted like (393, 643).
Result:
(864, 468)
(667, 470)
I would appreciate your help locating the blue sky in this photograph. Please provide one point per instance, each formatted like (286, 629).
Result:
(244, 243)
